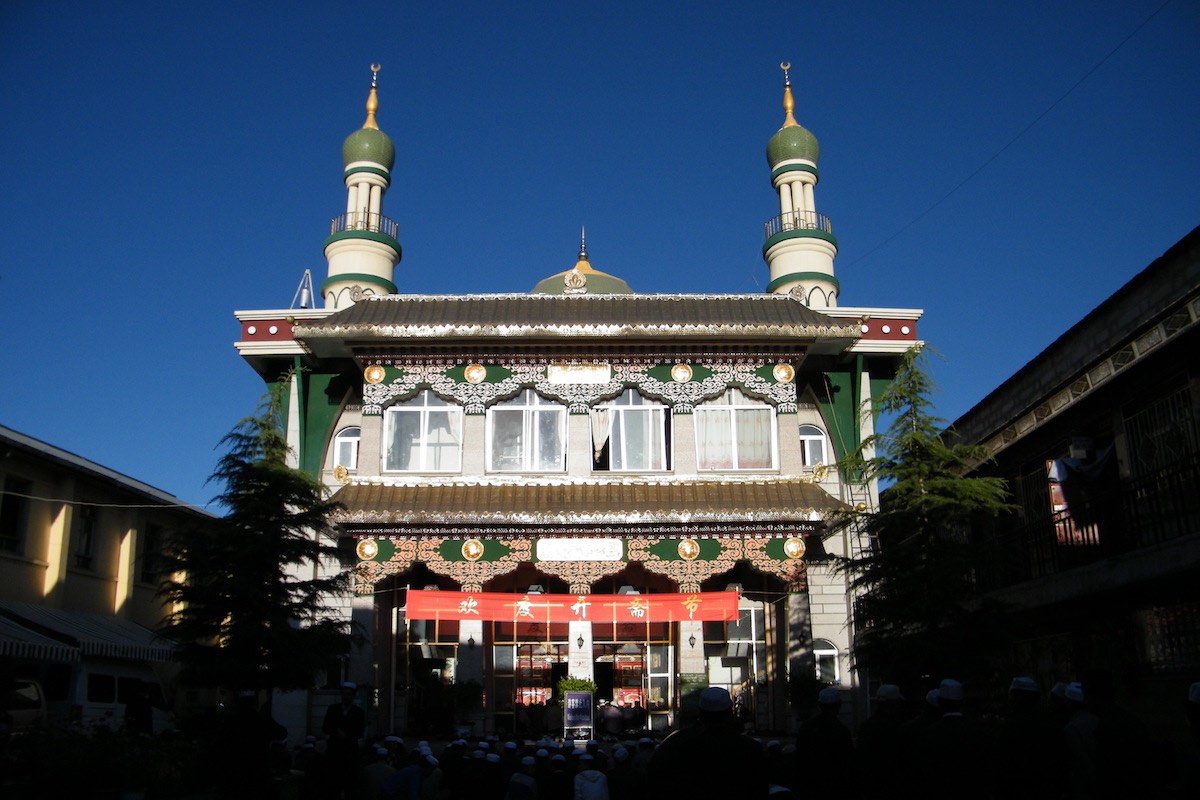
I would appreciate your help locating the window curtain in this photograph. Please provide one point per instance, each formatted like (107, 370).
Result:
(714, 438)
(602, 418)
(754, 438)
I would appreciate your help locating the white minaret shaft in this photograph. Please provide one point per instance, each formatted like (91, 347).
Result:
(800, 245)
(362, 248)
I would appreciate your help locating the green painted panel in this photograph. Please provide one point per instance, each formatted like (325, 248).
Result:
(495, 373)
(668, 550)
(838, 404)
(663, 372)
(322, 395)
(451, 550)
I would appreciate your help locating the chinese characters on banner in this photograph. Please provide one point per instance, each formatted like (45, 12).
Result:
(501, 607)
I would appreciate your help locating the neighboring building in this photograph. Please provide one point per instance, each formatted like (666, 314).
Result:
(630, 488)
(1098, 438)
(80, 564)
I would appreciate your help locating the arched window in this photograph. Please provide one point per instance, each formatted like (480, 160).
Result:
(631, 433)
(825, 653)
(735, 432)
(813, 449)
(423, 434)
(527, 434)
(345, 448)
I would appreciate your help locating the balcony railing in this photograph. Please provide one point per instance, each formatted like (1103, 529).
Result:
(362, 221)
(798, 221)
(1147, 511)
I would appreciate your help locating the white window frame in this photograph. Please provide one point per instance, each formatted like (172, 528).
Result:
(531, 407)
(810, 434)
(424, 405)
(826, 652)
(728, 405)
(345, 438)
(610, 421)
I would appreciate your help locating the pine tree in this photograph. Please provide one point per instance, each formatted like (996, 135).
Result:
(918, 609)
(248, 602)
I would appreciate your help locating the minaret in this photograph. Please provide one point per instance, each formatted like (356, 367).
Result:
(362, 249)
(800, 245)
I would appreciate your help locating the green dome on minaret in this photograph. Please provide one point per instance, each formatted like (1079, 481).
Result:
(792, 141)
(368, 143)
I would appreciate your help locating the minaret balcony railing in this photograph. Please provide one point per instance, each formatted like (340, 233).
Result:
(364, 221)
(798, 221)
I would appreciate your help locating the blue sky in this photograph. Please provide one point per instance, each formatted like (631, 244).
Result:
(1004, 166)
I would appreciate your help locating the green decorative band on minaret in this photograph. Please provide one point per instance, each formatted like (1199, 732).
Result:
(809, 168)
(799, 233)
(383, 173)
(359, 277)
(804, 276)
(372, 235)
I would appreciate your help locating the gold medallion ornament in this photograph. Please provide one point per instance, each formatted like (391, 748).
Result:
(784, 373)
(367, 549)
(475, 374)
(341, 474)
(373, 374)
(689, 549)
(794, 547)
(472, 549)
(681, 373)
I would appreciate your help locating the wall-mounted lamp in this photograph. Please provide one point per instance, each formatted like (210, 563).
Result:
(471, 643)
(579, 642)
(692, 641)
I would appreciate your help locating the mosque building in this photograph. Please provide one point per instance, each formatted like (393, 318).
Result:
(580, 480)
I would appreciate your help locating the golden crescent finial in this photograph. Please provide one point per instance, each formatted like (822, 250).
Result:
(789, 103)
(373, 99)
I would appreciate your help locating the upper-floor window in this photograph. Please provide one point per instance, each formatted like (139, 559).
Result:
(631, 433)
(83, 536)
(735, 432)
(812, 446)
(423, 434)
(527, 434)
(345, 448)
(14, 513)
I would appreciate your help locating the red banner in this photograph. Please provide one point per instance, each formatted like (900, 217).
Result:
(501, 607)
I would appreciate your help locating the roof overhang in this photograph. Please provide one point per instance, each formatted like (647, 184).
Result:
(583, 506)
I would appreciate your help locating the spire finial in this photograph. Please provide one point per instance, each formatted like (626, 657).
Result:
(789, 102)
(582, 243)
(373, 99)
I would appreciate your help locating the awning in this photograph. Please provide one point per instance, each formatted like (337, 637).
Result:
(20, 642)
(92, 634)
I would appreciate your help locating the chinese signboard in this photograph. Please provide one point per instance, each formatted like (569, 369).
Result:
(503, 607)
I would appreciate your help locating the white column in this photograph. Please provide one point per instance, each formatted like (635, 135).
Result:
(785, 199)
(691, 657)
(470, 651)
(810, 202)
(376, 199)
(580, 664)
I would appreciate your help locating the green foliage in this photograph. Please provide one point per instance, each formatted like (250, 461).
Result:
(918, 610)
(248, 602)
(570, 684)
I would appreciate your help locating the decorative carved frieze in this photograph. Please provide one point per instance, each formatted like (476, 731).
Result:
(579, 397)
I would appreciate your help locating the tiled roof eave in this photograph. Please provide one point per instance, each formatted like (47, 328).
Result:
(569, 331)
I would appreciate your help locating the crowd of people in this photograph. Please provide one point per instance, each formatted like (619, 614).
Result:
(1070, 743)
